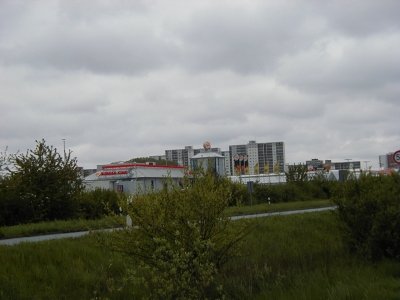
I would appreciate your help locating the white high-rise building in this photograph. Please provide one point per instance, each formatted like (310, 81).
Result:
(257, 158)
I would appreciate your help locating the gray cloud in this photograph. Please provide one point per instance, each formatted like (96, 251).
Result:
(120, 79)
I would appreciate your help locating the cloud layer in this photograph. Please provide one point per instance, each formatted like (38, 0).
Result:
(120, 79)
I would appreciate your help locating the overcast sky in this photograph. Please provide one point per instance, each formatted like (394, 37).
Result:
(123, 79)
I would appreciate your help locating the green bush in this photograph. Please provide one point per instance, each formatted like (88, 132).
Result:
(238, 193)
(13, 208)
(99, 203)
(42, 185)
(180, 240)
(317, 188)
(284, 192)
(370, 210)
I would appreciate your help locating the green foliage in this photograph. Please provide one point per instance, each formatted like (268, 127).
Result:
(181, 239)
(296, 173)
(43, 185)
(60, 226)
(317, 188)
(61, 269)
(99, 203)
(238, 193)
(291, 257)
(370, 210)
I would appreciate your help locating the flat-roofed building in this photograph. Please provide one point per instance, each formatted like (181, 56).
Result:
(133, 178)
(257, 158)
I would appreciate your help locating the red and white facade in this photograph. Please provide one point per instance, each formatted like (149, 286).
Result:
(133, 178)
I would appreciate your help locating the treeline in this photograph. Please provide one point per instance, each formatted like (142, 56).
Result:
(317, 188)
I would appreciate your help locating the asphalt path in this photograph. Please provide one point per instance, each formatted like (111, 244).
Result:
(56, 236)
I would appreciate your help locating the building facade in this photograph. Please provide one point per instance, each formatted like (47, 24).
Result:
(133, 178)
(247, 159)
(182, 156)
(209, 161)
(257, 158)
(318, 165)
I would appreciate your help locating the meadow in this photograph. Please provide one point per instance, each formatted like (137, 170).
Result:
(61, 226)
(283, 257)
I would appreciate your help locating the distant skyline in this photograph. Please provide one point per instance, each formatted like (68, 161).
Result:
(122, 79)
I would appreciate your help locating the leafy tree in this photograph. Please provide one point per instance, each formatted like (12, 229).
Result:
(369, 208)
(47, 182)
(180, 239)
(296, 173)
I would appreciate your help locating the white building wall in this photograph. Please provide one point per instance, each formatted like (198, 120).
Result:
(252, 154)
(383, 161)
(226, 155)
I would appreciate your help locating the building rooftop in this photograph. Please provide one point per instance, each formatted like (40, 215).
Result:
(207, 155)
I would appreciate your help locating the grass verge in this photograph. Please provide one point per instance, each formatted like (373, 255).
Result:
(274, 207)
(111, 222)
(60, 227)
(284, 257)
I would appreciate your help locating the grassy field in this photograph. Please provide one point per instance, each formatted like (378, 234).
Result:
(273, 207)
(286, 257)
(110, 222)
(59, 227)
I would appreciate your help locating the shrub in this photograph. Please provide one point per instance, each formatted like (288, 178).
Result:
(180, 240)
(370, 210)
(99, 203)
(238, 193)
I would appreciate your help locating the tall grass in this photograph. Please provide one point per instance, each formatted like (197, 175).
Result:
(274, 207)
(290, 257)
(303, 257)
(60, 269)
(60, 226)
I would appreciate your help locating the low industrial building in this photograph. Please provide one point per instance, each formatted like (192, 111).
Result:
(134, 178)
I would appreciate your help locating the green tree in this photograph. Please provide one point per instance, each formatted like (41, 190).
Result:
(47, 182)
(369, 208)
(296, 173)
(180, 239)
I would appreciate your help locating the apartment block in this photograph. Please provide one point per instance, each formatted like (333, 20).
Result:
(257, 158)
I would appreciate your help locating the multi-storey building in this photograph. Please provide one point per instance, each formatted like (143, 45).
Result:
(257, 158)
(316, 165)
(182, 156)
(252, 158)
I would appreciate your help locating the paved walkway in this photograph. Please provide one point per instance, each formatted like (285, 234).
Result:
(56, 236)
